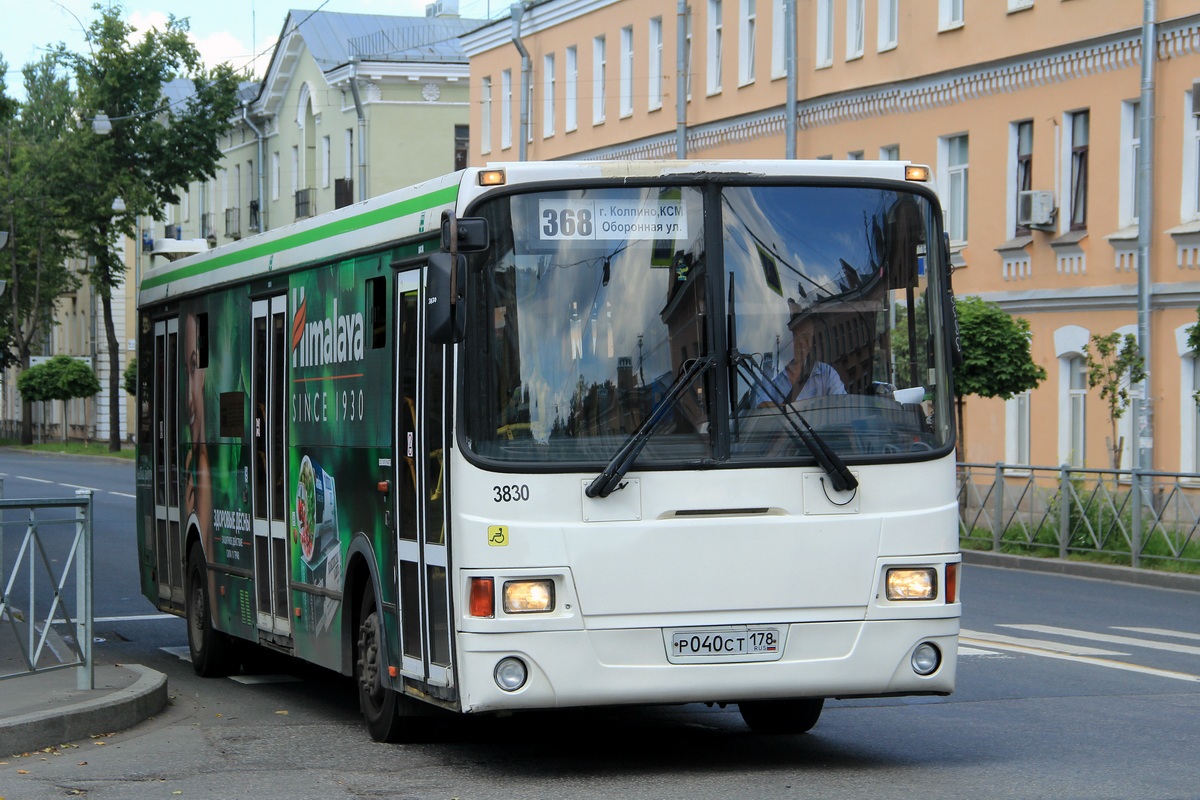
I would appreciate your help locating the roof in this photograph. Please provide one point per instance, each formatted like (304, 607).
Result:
(334, 39)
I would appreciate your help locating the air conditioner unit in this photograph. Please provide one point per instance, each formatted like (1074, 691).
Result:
(1035, 209)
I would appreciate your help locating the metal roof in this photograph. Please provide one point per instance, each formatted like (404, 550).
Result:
(335, 38)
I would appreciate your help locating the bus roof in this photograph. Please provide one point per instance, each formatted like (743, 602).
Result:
(415, 210)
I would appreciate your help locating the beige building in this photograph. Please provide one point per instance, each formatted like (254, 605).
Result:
(1026, 109)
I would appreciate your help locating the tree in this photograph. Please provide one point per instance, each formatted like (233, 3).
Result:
(60, 378)
(997, 361)
(129, 379)
(1114, 363)
(35, 174)
(155, 145)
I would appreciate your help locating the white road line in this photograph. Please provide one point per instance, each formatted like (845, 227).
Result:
(1108, 638)
(1040, 644)
(1096, 662)
(182, 653)
(125, 494)
(35, 480)
(972, 651)
(130, 618)
(74, 486)
(1160, 632)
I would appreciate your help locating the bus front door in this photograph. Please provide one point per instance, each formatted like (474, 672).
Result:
(268, 465)
(167, 544)
(420, 511)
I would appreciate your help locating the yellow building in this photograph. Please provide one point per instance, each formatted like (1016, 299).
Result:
(1028, 111)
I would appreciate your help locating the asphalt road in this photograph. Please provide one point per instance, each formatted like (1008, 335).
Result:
(1068, 688)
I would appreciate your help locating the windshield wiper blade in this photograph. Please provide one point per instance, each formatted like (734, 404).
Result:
(609, 480)
(840, 476)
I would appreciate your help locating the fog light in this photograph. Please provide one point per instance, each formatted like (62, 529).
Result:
(528, 597)
(912, 584)
(511, 674)
(926, 659)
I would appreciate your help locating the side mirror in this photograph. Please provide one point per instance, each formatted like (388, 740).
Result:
(445, 307)
(465, 235)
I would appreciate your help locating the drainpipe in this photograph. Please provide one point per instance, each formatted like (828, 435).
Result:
(362, 131)
(789, 61)
(517, 10)
(258, 168)
(681, 78)
(1144, 434)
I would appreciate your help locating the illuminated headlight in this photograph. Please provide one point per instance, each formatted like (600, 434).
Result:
(528, 597)
(511, 674)
(926, 659)
(912, 584)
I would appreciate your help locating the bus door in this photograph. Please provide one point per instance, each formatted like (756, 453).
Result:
(420, 512)
(165, 412)
(268, 470)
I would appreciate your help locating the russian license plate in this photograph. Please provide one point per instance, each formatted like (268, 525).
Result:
(724, 644)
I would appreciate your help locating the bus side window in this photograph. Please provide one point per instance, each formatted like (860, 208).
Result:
(377, 311)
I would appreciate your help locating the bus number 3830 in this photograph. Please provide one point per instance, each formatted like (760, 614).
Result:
(512, 493)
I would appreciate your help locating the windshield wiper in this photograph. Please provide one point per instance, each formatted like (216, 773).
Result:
(839, 474)
(609, 480)
(828, 459)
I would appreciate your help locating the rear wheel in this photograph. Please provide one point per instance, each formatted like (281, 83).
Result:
(782, 716)
(382, 707)
(213, 653)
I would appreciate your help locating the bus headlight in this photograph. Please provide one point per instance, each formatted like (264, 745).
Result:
(912, 584)
(528, 597)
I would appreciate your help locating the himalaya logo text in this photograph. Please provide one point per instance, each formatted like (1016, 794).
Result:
(333, 340)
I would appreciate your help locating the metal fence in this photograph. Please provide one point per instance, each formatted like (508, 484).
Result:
(46, 599)
(1061, 511)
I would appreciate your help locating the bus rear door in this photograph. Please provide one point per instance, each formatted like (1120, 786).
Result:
(169, 560)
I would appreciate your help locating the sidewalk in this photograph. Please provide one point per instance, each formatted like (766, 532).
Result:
(45, 708)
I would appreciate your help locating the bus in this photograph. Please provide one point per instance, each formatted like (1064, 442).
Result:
(553, 435)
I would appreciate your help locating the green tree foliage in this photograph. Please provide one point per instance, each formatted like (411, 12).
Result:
(60, 378)
(157, 144)
(35, 175)
(129, 379)
(1193, 341)
(997, 361)
(1114, 363)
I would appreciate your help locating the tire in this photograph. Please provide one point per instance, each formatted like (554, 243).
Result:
(213, 653)
(381, 707)
(782, 716)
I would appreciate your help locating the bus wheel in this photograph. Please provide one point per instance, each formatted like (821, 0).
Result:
(782, 716)
(380, 705)
(213, 653)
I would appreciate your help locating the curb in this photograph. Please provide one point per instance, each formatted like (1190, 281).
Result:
(117, 710)
(1081, 569)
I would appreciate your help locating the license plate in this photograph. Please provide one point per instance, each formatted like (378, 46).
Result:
(724, 644)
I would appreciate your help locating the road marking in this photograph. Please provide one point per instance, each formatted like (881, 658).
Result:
(1039, 644)
(182, 653)
(130, 618)
(1160, 632)
(35, 480)
(1109, 638)
(125, 494)
(971, 651)
(1096, 662)
(84, 488)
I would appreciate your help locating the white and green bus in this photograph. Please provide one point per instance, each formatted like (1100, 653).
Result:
(546, 435)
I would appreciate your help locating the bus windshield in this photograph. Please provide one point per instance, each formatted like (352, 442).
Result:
(815, 310)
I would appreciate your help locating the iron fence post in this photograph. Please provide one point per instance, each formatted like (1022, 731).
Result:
(1064, 510)
(85, 673)
(1135, 535)
(998, 518)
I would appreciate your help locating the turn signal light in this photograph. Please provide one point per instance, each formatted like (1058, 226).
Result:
(483, 598)
(952, 583)
(916, 172)
(492, 177)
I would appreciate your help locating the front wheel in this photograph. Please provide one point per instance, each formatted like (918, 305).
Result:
(213, 653)
(782, 716)
(381, 706)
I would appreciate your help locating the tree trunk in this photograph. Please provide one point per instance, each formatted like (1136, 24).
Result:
(114, 376)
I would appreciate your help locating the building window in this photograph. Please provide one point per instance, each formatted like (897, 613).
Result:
(953, 153)
(1022, 168)
(599, 64)
(529, 120)
(889, 152)
(1077, 392)
(348, 148)
(950, 14)
(506, 93)
(1130, 179)
(714, 46)
(1079, 136)
(1189, 208)
(778, 29)
(485, 116)
(462, 141)
(854, 29)
(571, 90)
(1016, 435)
(654, 77)
(326, 157)
(627, 71)
(548, 96)
(854, 155)
(747, 41)
(824, 32)
(889, 25)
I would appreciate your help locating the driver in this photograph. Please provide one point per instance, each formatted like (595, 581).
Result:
(804, 376)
